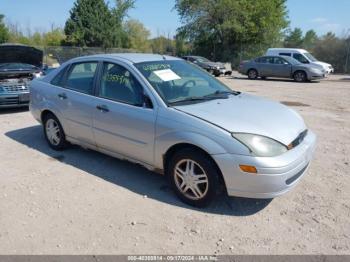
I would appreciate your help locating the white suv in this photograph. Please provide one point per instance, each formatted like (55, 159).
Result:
(302, 56)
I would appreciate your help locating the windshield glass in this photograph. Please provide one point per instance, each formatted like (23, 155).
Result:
(179, 81)
(16, 66)
(311, 57)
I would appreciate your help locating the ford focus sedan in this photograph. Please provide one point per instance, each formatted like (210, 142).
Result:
(177, 120)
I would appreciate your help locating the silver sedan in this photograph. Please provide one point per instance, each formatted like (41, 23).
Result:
(280, 67)
(175, 119)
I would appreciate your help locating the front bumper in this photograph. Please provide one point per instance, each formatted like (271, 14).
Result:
(8, 100)
(276, 175)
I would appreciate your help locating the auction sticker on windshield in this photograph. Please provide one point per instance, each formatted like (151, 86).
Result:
(167, 75)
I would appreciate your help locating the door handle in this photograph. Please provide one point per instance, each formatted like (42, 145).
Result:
(62, 96)
(102, 108)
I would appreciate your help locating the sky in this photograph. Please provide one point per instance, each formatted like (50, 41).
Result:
(160, 18)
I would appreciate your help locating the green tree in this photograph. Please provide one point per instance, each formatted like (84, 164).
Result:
(54, 38)
(220, 28)
(310, 40)
(163, 45)
(90, 24)
(119, 13)
(294, 39)
(4, 32)
(137, 36)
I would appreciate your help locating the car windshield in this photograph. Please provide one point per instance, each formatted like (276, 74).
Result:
(16, 67)
(311, 57)
(179, 82)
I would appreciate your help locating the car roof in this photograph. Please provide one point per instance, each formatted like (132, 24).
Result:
(130, 57)
(287, 49)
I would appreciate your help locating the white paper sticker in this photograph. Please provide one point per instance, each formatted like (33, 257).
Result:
(167, 75)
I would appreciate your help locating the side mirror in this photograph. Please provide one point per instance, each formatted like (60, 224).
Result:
(147, 102)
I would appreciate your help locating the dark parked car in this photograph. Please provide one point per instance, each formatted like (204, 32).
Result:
(280, 66)
(213, 68)
(19, 65)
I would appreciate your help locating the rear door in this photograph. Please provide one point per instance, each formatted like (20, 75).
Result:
(121, 123)
(265, 68)
(74, 98)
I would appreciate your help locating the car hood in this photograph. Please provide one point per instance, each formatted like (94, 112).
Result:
(322, 64)
(21, 54)
(250, 114)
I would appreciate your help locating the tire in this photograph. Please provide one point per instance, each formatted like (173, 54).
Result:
(54, 132)
(200, 187)
(300, 76)
(252, 74)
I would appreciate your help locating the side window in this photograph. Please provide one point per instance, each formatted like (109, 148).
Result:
(81, 77)
(119, 84)
(58, 79)
(285, 54)
(262, 60)
(300, 58)
(278, 61)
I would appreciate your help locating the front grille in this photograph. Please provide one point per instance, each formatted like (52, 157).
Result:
(294, 178)
(298, 140)
(15, 88)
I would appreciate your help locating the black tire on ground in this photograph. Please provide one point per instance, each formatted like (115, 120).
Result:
(300, 76)
(52, 125)
(253, 74)
(202, 165)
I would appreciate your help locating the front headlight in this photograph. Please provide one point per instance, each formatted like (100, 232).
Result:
(260, 145)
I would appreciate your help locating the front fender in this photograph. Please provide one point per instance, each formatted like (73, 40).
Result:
(164, 142)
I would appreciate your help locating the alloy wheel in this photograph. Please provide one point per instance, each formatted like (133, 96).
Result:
(191, 179)
(53, 132)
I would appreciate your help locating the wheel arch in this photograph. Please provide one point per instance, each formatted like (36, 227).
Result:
(181, 146)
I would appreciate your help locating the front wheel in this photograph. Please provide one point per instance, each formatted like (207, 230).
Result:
(300, 76)
(54, 133)
(194, 177)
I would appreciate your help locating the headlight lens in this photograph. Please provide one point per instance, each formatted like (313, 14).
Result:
(260, 145)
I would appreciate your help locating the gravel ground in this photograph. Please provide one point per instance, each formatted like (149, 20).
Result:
(83, 202)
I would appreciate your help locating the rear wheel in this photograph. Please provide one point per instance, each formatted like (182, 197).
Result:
(252, 74)
(194, 177)
(54, 133)
(300, 76)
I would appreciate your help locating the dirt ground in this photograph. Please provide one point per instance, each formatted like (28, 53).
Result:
(83, 202)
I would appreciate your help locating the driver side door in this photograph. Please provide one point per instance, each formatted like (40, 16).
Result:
(122, 124)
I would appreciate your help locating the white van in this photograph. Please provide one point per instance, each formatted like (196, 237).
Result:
(301, 55)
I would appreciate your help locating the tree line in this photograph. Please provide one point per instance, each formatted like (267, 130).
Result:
(221, 30)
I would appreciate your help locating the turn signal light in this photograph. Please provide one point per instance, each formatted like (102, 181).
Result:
(248, 169)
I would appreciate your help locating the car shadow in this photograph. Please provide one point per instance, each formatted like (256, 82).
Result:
(131, 176)
(275, 80)
(4, 111)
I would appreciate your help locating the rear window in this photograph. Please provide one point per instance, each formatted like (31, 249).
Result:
(81, 77)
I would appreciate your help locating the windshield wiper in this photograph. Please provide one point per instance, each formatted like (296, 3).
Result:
(222, 94)
(190, 99)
